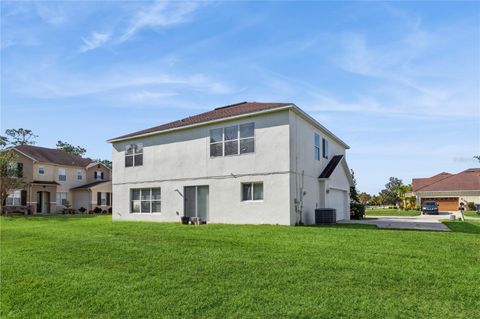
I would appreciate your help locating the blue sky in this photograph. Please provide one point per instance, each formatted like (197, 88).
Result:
(399, 82)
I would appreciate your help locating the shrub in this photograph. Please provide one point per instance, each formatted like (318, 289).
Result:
(82, 209)
(357, 210)
(471, 206)
(104, 211)
(97, 210)
(110, 210)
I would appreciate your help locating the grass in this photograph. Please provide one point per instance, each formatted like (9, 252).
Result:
(391, 212)
(471, 213)
(89, 267)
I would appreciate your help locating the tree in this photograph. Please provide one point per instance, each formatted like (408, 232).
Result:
(364, 198)
(9, 177)
(477, 157)
(357, 209)
(69, 148)
(21, 136)
(3, 142)
(390, 194)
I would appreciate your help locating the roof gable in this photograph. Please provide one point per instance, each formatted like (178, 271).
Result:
(51, 155)
(469, 179)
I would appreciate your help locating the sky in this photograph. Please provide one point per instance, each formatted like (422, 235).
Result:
(397, 81)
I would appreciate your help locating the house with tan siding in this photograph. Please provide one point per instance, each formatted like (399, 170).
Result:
(449, 190)
(56, 180)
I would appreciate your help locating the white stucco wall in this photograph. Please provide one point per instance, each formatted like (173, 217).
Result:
(302, 158)
(182, 158)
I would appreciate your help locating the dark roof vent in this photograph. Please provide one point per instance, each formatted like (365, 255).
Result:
(227, 106)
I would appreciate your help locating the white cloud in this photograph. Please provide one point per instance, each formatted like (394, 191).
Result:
(161, 14)
(95, 40)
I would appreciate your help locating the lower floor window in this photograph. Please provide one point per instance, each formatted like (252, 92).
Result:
(62, 198)
(145, 200)
(252, 191)
(14, 198)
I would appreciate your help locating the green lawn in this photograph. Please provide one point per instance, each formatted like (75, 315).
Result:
(89, 267)
(391, 212)
(471, 214)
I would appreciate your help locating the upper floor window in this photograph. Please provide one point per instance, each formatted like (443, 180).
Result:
(79, 175)
(325, 148)
(232, 140)
(252, 191)
(98, 175)
(145, 200)
(62, 174)
(134, 155)
(19, 169)
(41, 170)
(316, 148)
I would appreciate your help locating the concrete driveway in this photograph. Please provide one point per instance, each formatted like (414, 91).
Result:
(422, 222)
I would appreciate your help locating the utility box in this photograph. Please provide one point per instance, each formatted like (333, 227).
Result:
(325, 216)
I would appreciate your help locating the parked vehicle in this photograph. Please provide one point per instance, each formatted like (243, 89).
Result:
(430, 207)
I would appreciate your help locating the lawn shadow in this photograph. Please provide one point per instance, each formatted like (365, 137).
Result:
(350, 226)
(463, 227)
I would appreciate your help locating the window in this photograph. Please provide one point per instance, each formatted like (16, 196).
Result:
(252, 191)
(134, 155)
(232, 140)
(62, 175)
(62, 198)
(79, 175)
(325, 148)
(104, 198)
(145, 200)
(19, 169)
(316, 148)
(98, 175)
(14, 198)
(41, 170)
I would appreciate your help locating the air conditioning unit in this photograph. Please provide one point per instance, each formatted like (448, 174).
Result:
(325, 216)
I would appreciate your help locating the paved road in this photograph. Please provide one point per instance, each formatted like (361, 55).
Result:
(422, 222)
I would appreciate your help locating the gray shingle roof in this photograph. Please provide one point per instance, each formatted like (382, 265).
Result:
(51, 155)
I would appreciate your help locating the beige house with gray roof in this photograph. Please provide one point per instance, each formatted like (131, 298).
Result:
(56, 180)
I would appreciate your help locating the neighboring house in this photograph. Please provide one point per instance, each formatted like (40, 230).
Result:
(56, 179)
(449, 190)
(246, 163)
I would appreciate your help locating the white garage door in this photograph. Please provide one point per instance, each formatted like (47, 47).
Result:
(338, 200)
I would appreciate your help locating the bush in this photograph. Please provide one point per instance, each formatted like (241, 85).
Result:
(110, 210)
(82, 209)
(357, 210)
(97, 210)
(471, 206)
(104, 211)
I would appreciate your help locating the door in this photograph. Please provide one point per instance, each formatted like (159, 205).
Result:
(447, 204)
(195, 201)
(46, 203)
(39, 202)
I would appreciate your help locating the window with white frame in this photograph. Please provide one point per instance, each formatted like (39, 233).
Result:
(62, 174)
(232, 140)
(134, 155)
(145, 200)
(103, 199)
(325, 148)
(41, 170)
(316, 148)
(98, 175)
(252, 191)
(62, 198)
(14, 198)
(79, 175)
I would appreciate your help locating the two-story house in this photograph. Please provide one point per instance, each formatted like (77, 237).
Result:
(246, 163)
(55, 179)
